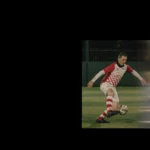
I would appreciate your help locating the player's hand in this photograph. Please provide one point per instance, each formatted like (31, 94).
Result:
(90, 84)
(143, 82)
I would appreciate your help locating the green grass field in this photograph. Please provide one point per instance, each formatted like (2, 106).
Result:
(93, 104)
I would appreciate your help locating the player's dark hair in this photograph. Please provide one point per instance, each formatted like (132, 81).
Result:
(122, 54)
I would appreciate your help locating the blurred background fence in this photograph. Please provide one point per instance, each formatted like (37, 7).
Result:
(97, 54)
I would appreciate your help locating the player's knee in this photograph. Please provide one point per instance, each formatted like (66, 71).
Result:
(110, 92)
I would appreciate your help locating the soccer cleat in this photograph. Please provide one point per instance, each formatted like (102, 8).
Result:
(101, 121)
(112, 113)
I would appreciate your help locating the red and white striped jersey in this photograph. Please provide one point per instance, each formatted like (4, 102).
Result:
(114, 73)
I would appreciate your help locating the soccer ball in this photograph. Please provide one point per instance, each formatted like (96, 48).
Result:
(123, 109)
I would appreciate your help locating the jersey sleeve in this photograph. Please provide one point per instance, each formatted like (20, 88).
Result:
(109, 68)
(129, 69)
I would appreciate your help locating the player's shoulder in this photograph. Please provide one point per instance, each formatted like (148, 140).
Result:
(112, 65)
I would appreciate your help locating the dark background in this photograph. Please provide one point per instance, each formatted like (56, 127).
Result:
(104, 50)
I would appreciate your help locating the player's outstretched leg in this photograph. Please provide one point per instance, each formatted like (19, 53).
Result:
(100, 119)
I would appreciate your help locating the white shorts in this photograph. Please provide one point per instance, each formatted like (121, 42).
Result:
(105, 86)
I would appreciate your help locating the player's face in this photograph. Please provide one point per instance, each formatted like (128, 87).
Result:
(122, 60)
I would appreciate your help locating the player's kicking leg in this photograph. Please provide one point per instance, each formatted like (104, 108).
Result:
(111, 107)
(113, 112)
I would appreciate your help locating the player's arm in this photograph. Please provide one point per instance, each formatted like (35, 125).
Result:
(100, 73)
(136, 74)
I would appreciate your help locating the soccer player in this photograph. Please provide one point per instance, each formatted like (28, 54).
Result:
(113, 74)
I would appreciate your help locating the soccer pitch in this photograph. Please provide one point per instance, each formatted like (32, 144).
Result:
(93, 104)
